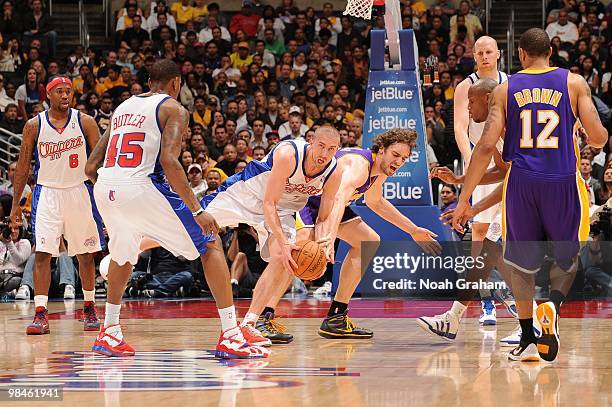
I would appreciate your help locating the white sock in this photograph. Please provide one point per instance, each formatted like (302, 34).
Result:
(458, 308)
(111, 316)
(228, 318)
(89, 295)
(249, 317)
(41, 300)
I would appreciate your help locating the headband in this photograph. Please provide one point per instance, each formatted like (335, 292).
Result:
(58, 81)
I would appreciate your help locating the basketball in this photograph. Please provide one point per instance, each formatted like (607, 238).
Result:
(310, 259)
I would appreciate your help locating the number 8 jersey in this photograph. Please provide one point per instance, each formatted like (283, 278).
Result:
(135, 141)
(61, 153)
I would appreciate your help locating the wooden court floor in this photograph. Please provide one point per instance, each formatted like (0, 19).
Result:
(400, 366)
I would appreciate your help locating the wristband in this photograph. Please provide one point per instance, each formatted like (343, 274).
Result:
(198, 212)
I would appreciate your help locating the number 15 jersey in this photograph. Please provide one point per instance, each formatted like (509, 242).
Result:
(60, 154)
(132, 154)
(540, 123)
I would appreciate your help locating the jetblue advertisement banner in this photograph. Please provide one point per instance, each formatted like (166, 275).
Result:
(393, 99)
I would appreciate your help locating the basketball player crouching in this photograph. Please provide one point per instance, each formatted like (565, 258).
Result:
(288, 176)
(363, 172)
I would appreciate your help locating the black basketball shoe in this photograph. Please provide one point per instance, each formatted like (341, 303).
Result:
(271, 328)
(340, 326)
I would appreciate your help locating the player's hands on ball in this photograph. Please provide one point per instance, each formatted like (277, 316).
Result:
(327, 245)
(208, 223)
(445, 174)
(425, 239)
(286, 259)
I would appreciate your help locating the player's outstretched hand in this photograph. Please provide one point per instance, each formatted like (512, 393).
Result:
(286, 259)
(208, 223)
(447, 218)
(16, 218)
(425, 239)
(328, 247)
(461, 215)
(445, 174)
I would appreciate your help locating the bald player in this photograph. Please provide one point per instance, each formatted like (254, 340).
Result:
(467, 134)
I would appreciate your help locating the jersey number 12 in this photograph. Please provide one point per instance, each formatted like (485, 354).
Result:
(130, 153)
(544, 140)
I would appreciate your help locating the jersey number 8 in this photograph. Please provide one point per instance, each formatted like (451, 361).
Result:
(130, 153)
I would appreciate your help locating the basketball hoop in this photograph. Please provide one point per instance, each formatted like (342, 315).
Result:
(363, 8)
(390, 10)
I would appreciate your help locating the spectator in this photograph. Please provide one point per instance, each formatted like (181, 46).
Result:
(200, 11)
(242, 58)
(39, 24)
(464, 18)
(219, 140)
(10, 120)
(213, 179)
(182, 13)
(245, 20)
(286, 83)
(63, 276)
(10, 22)
(240, 165)
(113, 84)
(104, 113)
(330, 22)
(273, 44)
(10, 59)
(30, 93)
(14, 251)
(448, 199)
(590, 73)
(230, 156)
(7, 94)
(135, 32)
(294, 128)
(259, 153)
(168, 274)
(153, 20)
(197, 184)
(605, 193)
(564, 29)
(593, 185)
(269, 19)
(242, 150)
(206, 33)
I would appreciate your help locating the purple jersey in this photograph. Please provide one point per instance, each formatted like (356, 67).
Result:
(540, 123)
(369, 156)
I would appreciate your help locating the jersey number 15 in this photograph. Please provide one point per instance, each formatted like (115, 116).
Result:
(130, 153)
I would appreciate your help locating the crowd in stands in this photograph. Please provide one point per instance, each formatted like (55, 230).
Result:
(271, 72)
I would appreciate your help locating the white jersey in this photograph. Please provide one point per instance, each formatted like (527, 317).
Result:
(61, 153)
(298, 187)
(133, 149)
(475, 129)
(240, 198)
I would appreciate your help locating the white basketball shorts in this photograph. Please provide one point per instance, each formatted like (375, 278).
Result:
(70, 212)
(237, 204)
(145, 208)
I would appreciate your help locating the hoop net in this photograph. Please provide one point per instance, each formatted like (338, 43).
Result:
(361, 8)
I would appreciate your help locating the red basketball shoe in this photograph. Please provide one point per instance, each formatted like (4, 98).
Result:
(40, 325)
(90, 318)
(110, 342)
(253, 336)
(232, 345)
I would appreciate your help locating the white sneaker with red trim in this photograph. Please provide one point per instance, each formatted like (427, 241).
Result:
(233, 345)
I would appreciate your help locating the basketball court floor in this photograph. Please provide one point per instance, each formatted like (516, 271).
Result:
(400, 366)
